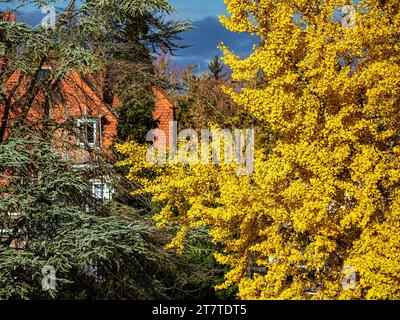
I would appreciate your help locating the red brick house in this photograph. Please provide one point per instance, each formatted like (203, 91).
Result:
(83, 104)
(83, 100)
(96, 121)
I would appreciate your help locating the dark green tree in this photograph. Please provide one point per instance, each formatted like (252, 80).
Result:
(47, 212)
(216, 68)
(99, 251)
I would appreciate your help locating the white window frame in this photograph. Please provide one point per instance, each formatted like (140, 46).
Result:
(95, 123)
(107, 190)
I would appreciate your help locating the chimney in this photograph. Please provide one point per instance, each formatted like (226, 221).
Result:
(7, 16)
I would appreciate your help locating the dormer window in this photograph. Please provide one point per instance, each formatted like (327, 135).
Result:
(88, 131)
(102, 191)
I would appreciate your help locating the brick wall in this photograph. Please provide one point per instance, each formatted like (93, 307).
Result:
(79, 100)
(82, 99)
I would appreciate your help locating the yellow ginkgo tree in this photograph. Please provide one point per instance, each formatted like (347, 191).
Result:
(320, 216)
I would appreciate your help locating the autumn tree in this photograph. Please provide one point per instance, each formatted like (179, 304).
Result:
(199, 100)
(322, 205)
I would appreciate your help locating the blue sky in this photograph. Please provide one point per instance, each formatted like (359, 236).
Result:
(198, 9)
(207, 34)
(203, 40)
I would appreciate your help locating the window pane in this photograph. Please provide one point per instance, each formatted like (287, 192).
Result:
(91, 132)
(81, 130)
(98, 191)
(102, 191)
(87, 131)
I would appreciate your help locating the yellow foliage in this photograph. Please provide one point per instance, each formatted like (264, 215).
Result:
(325, 194)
